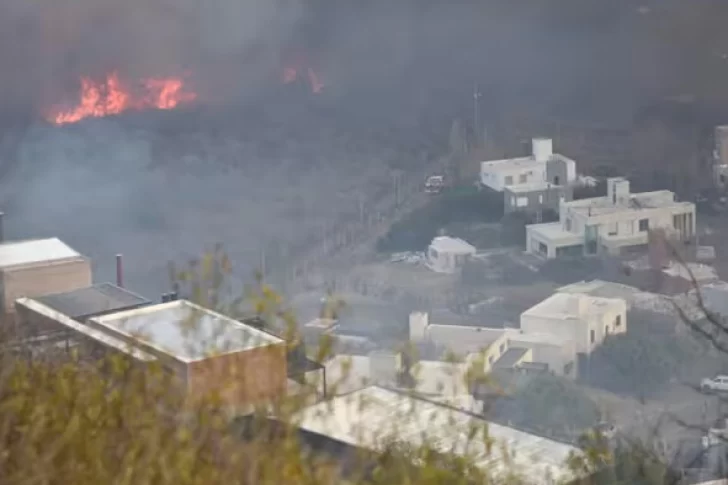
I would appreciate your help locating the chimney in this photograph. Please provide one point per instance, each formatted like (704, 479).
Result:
(542, 149)
(119, 271)
(2, 232)
(618, 190)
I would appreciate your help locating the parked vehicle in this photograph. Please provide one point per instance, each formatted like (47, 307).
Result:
(717, 383)
(435, 184)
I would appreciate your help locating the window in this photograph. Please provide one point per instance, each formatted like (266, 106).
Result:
(568, 224)
(618, 321)
(593, 335)
(540, 198)
(606, 330)
(502, 348)
(433, 253)
(522, 202)
(556, 180)
(513, 201)
(523, 178)
(542, 248)
(644, 225)
(508, 180)
(612, 229)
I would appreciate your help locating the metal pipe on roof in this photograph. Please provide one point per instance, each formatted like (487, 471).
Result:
(119, 271)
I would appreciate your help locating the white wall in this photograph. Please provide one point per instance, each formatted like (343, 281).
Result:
(494, 176)
(418, 322)
(563, 329)
(555, 356)
(578, 330)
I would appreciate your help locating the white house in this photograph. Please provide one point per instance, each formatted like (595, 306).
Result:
(448, 254)
(534, 170)
(619, 221)
(580, 319)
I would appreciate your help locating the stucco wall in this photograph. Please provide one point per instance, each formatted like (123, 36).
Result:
(43, 279)
(241, 379)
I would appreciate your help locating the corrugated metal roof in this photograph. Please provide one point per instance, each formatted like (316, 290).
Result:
(184, 330)
(19, 253)
(371, 417)
(84, 330)
(94, 300)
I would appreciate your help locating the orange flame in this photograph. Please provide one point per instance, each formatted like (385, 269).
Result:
(316, 84)
(113, 97)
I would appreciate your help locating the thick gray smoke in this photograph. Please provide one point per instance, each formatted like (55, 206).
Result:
(280, 172)
(45, 46)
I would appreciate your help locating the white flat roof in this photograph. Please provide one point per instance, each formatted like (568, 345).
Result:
(553, 232)
(185, 331)
(371, 417)
(463, 339)
(532, 187)
(447, 244)
(572, 305)
(18, 253)
(640, 201)
(508, 164)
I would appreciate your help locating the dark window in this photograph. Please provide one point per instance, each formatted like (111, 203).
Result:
(592, 336)
(502, 348)
(556, 180)
(618, 321)
(522, 178)
(644, 225)
(591, 247)
(508, 180)
(542, 248)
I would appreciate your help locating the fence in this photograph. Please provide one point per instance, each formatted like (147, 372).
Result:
(347, 236)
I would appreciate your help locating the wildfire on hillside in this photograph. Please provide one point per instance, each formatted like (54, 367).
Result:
(113, 96)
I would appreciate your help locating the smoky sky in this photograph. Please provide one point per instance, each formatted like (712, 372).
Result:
(397, 73)
(231, 47)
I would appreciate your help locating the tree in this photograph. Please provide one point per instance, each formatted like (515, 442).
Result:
(549, 405)
(642, 361)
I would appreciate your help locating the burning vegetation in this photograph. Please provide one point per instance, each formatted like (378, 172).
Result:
(113, 96)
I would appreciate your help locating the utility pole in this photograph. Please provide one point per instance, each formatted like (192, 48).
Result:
(361, 209)
(476, 115)
(395, 183)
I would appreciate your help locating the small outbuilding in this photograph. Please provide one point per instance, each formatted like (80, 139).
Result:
(448, 254)
(38, 267)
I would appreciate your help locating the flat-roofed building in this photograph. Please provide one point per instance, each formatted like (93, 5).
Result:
(37, 317)
(39, 267)
(621, 221)
(373, 417)
(212, 353)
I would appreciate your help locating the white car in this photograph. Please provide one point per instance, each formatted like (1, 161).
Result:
(718, 383)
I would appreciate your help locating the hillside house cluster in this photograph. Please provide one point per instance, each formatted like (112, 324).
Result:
(614, 224)
(555, 335)
(52, 305)
(531, 183)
